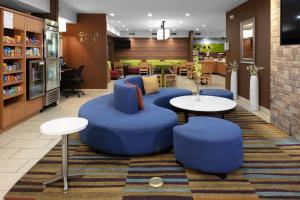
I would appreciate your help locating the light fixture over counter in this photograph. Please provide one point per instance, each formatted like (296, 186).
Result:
(163, 33)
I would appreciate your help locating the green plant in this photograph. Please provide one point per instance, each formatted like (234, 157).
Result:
(197, 66)
(232, 66)
(254, 69)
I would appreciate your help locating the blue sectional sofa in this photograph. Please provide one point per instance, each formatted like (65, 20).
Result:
(116, 125)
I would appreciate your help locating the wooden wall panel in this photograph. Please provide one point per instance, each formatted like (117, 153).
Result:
(261, 11)
(91, 53)
(148, 48)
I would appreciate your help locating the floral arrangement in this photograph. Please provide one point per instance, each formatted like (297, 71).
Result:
(233, 66)
(254, 69)
(197, 66)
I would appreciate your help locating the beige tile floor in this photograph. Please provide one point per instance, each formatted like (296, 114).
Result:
(22, 146)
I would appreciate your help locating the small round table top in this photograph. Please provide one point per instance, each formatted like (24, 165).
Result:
(63, 126)
(206, 104)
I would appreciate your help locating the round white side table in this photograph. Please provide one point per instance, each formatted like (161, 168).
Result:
(63, 127)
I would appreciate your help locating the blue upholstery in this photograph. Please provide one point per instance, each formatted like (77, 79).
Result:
(125, 98)
(113, 131)
(137, 81)
(217, 92)
(208, 144)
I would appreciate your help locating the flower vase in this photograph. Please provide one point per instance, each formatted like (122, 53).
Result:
(234, 84)
(254, 92)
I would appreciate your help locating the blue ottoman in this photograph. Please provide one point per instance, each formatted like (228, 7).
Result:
(217, 92)
(210, 145)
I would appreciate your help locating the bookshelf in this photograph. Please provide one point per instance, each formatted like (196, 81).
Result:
(19, 43)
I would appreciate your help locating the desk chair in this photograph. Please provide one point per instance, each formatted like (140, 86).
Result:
(71, 81)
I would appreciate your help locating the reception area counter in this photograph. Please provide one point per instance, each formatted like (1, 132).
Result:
(217, 67)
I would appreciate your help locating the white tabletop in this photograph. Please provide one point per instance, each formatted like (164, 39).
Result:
(206, 103)
(63, 126)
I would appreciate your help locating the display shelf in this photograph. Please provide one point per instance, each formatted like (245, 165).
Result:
(12, 45)
(27, 34)
(12, 72)
(6, 97)
(33, 57)
(13, 57)
(33, 46)
(12, 83)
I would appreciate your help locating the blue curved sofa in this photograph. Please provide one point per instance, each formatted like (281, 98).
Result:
(117, 126)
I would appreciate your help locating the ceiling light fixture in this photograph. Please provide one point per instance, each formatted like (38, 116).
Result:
(197, 29)
(298, 17)
(180, 22)
(187, 14)
(204, 25)
(150, 15)
(150, 29)
(112, 14)
(174, 29)
(123, 26)
(119, 22)
(163, 33)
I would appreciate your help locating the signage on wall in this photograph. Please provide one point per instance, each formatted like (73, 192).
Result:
(8, 19)
(88, 38)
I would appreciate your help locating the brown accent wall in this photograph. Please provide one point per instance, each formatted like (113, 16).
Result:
(54, 9)
(110, 48)
(285, 81)
(92, 54)
(151, 48)
(260, 9)
(190, 57)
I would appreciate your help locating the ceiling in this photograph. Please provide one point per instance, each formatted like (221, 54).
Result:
(41, 6)
(132, 15)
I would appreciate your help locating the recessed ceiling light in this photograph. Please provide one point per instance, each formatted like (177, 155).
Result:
(127, 29)
(119, 22)
(197, 29)
(180, 22)
(203, 25)
(112, 14)
(174, 29)
(150, 15)
(187, 14)
(123, 26)
(150, 29)
(298, 17)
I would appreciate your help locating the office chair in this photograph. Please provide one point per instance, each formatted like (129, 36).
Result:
(71, 81)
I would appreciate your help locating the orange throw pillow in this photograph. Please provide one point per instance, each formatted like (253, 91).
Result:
(139, 95)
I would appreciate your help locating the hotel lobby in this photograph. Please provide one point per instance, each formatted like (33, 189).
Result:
(143, 100)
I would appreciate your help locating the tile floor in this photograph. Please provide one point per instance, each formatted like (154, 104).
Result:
(22, 146)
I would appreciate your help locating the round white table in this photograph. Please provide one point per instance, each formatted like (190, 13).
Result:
(63, 127)
(203, 105)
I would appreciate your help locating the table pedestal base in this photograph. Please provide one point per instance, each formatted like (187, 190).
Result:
(65, 174)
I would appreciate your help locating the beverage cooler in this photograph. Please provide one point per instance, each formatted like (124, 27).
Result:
(51, 56)
(35, 79)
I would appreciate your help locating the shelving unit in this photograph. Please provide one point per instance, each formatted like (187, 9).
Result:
(13, 44)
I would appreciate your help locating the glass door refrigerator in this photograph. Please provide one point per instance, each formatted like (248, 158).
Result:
(51, 56)
(36, 79)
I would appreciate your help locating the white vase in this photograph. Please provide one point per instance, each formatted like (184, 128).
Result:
(234, 84)
(254, 93)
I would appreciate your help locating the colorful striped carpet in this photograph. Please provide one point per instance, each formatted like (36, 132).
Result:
(271, 170)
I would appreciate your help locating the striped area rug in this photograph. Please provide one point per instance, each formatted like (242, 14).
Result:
(271, 170)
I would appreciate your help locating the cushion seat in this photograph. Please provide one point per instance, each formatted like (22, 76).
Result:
(208, 144)
(218, 93)
(147, 131)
